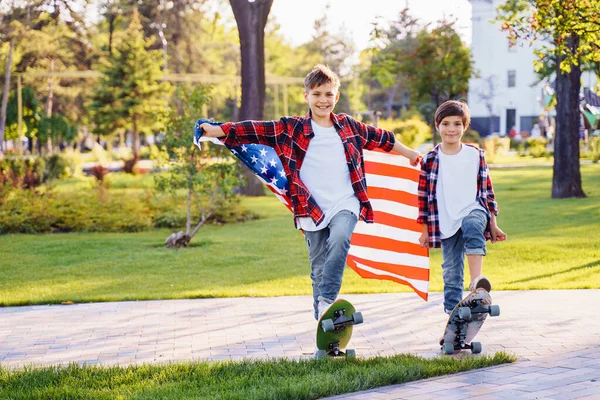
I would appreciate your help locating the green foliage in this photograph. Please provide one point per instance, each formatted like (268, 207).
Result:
(131, 93)
(412, 132)
(22, 173)
(471, 136)
(561, 22)
(57, 128)
(594, 146)
(442, 65)
(57, 167)
(536, 147)
(248, 379)
(209, 185)
(32, 113)
(96, 210)
(495, 146)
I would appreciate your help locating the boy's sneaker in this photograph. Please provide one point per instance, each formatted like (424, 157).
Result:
(480, 282)
(323, 306)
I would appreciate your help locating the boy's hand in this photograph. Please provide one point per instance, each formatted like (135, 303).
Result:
(424, 239)
(415, 158)
(497, 234)
(212, 130)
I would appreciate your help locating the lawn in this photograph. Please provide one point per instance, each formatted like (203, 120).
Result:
(277, 379)
(553, 244)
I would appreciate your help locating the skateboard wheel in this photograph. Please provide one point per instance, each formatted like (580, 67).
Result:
(464, 313)
(351, 353)
(476, 348)
(357, 318)
(448, 348)
(494, 311)
(320, 354)
(327, 325)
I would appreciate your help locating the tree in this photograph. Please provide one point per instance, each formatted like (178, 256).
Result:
(251, 18)
(131, 92)
(439, 68)
(394, 46)
(209, 186)
(570, 33)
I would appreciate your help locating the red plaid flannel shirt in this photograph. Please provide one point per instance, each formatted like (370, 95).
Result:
(428, 207)
(290, 137)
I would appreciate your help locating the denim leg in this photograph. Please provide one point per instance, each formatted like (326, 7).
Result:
(316, 242)
(453, 269)
(341, 228)
(473, 229)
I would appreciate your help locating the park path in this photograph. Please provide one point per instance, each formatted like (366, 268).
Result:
(554, 334)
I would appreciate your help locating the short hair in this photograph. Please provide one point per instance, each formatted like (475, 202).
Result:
(453, 108)
(320, 75)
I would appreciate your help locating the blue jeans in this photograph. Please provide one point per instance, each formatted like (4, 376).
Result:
(470, 240)
(327, 251)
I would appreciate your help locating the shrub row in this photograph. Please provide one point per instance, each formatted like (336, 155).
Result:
(100, 210)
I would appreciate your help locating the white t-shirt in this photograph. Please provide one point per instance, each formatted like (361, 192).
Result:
(325, 173)
(456, 192)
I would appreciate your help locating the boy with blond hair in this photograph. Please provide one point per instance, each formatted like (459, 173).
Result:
(322, 155)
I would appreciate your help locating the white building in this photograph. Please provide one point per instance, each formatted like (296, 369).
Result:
(507, 92)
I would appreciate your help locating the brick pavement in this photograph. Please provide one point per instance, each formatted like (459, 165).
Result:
(554, 334)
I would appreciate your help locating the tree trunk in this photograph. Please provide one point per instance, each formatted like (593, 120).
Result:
(49, 104)
(5, 94)
(566, 180)
(251, 19)
(135, 143)
(390, 99)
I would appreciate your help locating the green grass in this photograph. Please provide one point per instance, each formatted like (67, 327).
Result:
(552, 244)
(277, 379)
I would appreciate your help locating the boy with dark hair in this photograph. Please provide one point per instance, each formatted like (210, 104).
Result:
(457, 207)
(322, 155)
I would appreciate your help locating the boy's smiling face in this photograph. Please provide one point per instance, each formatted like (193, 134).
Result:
(451, 129)
(322, 100)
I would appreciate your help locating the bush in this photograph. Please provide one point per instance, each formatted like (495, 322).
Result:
(494, 145)
(536, 147)
(472, 136)
(26, 173)
(56, 167)
(98, 209)
(411, 132)
(594, 146)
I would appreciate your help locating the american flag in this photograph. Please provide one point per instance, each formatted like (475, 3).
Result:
(389, 248)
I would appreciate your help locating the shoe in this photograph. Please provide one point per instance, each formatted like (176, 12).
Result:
(323, 306)
(481, 282)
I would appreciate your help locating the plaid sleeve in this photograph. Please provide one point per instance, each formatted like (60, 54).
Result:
(253, 132)
(492, 205)
(374, 138)
(422, 192)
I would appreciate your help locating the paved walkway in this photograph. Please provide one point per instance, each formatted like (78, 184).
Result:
(555, 334)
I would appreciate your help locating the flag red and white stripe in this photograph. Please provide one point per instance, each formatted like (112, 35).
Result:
(389, 249)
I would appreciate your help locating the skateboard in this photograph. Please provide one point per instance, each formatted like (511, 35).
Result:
(334, 330)
(466, 320)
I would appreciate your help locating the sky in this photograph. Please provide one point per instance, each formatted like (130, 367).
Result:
(355, 17)
(296, 17)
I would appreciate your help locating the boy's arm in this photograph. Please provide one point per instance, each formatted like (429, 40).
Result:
(386, 140)
(497, 234)
(374, 138)
(492, 205)
(423, 212)
(247, 132)
(413, 155)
